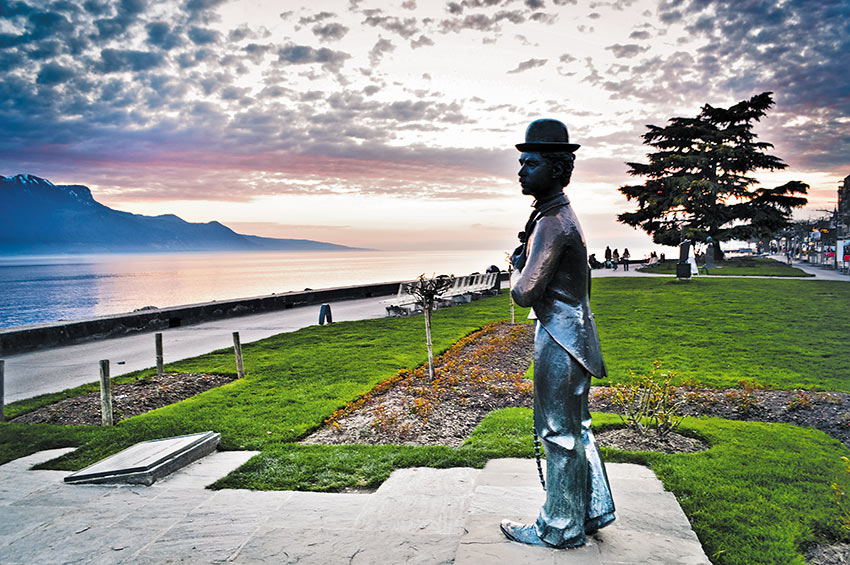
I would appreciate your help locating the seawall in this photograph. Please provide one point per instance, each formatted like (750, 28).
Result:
(31, 338)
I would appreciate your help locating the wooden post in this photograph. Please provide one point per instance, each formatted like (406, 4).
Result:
(159, 358)
(237, 349)
(105, 394)
(2, 391)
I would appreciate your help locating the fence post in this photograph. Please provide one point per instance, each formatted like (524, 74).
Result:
(105, 394)
(237, 349)
(159, 358)
(2, 390)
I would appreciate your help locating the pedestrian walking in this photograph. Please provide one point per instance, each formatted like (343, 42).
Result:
(626, 256)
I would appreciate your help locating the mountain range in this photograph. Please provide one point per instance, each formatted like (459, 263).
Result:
(39, 217)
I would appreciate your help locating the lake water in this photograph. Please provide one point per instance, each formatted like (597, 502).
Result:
(35, 290)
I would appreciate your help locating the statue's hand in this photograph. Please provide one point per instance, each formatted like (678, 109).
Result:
(518, 257)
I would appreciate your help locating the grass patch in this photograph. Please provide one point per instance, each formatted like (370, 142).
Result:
(735, 267)
(786, 334)
(759, 495)
(294, 380)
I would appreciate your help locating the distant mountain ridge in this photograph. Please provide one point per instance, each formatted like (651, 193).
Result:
(39, 217)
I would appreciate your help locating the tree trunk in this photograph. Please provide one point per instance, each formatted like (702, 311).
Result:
(428, 340)
(718, 253)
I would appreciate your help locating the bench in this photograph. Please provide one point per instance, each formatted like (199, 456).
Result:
(464, 289)
(470, 287)
(403, 303)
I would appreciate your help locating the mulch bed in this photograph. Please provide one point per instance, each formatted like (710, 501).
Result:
(128, 399)
(389, 415)
(825, 411)
(480, 373)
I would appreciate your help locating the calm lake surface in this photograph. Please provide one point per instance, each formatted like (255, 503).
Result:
(35, 290)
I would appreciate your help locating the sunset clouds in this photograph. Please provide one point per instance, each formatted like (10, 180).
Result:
(158, 103)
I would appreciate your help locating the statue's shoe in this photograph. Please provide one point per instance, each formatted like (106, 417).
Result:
(523, 533)
(594, 525)
(527, 533)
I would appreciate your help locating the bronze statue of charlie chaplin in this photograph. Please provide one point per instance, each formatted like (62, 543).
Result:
(553, 277)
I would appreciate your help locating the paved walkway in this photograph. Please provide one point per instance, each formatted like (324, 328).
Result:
(820, 273)
(418, 515)
(58, 368)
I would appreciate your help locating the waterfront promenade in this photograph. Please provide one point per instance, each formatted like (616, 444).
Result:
(58, 368)
(420, 515)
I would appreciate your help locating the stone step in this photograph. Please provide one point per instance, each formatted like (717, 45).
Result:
(145, 462)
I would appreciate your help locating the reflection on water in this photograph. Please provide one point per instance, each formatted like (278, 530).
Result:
(35, 290)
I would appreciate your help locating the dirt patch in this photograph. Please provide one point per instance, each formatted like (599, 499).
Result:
(837, 554)
(825, 411)
(128, 399)
(630, 440)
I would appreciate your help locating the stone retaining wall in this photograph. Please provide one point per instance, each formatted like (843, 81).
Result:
(30, 338)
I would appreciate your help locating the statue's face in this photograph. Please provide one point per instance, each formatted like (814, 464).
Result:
(537, 177)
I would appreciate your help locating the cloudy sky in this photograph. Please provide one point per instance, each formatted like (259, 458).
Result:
(391, 124)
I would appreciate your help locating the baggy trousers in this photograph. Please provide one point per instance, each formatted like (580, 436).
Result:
(577, 488)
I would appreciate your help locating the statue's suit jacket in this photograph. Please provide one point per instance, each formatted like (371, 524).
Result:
(553, 277)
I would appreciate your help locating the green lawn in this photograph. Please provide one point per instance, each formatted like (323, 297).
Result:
(786, 334)
(735, 267)
(758, 495)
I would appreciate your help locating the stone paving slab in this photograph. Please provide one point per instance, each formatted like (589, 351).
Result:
(650, 525)
(422, 515)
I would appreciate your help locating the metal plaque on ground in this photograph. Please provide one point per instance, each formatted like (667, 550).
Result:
(148, 461)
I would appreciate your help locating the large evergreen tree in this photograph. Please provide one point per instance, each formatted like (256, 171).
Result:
(698, 184)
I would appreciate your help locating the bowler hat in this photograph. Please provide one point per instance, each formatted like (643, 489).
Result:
(547, 135)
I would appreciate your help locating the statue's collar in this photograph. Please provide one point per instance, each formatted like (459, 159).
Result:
(559, 199)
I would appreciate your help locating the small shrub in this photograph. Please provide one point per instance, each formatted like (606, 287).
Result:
(828, 398)
(744, 397)
(700, 398)
(422, 407)
(649, 402)
(800, 402)
(386, 419)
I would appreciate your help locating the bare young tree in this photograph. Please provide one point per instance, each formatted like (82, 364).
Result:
(426, 290)
(510, 296)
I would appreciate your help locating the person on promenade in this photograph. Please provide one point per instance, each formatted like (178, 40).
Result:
(625, 258)
(615, 259)
(551, 275)
(607, 257)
